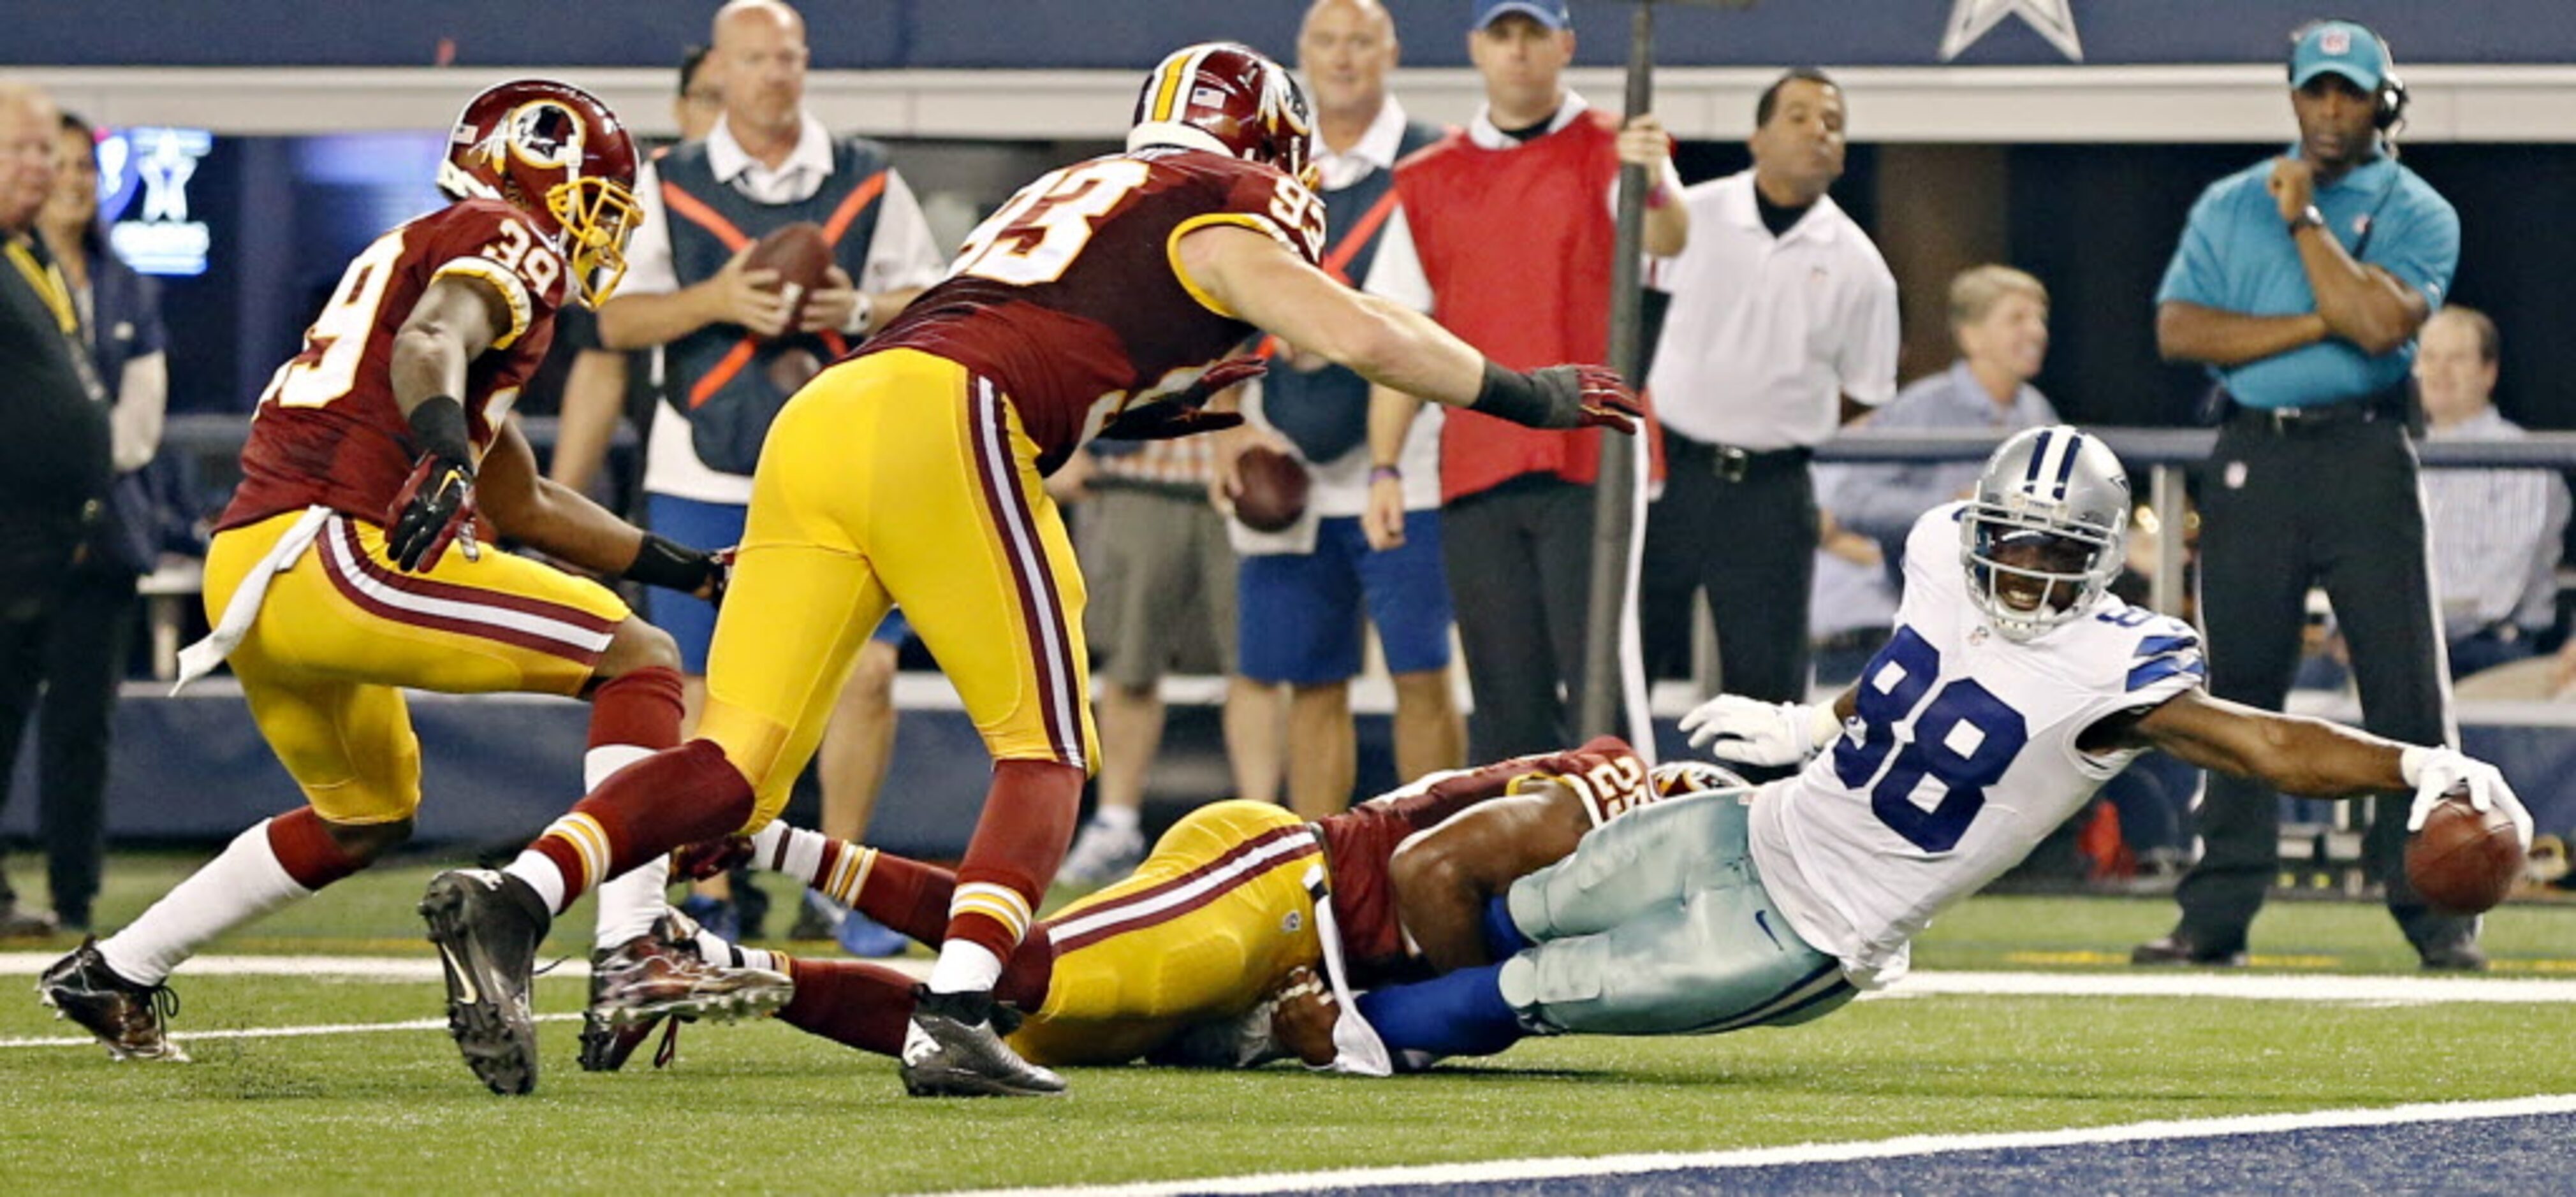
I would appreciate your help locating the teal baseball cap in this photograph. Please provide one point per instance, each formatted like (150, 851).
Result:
(2345, 48)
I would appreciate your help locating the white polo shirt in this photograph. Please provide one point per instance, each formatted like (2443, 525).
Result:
(1766, 333)
(901, 254)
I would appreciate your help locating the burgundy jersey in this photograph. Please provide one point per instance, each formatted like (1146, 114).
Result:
(1068, 299)
(1360, 843)
(327, 430)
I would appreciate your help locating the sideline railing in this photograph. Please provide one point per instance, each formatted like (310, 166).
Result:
(2165, 454)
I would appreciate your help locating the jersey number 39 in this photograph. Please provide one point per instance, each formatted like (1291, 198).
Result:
(1963, 739)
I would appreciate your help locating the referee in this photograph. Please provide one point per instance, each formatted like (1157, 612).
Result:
(2301, 282)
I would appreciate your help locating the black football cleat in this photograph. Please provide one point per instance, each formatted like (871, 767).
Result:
(2461, 955)
(487, 926)
(662, 975)
(130, 1019)
(2182, 949)
(953, 1049)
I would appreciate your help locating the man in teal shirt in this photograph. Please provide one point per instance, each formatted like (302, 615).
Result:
(2300, 282)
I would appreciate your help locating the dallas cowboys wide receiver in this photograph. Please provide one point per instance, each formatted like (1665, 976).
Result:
(2014, 686)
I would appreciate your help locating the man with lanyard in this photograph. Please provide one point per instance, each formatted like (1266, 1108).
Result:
(1504, 234)
(2301, 282)
(54, 459)
(1305, 589)
(731, 362)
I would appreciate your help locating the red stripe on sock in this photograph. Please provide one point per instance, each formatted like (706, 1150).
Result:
(305, 848)
(640, 708)
(848, 1002)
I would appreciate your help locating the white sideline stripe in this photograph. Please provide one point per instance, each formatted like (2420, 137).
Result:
(1821, 1153)
(353, 968)
(2250, 986)
(184, 1037)
(2254, 986)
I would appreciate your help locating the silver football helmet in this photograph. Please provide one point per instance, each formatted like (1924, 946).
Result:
(2046, 531)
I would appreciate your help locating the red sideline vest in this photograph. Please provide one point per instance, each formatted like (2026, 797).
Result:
(1517, 246)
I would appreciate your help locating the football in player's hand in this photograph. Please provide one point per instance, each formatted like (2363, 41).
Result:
(2465, 860)
(1274, 489)
(803, 260)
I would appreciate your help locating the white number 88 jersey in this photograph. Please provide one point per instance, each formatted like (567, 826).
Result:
(1960, 758)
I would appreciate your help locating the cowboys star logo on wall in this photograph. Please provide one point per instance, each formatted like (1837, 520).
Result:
(1972, 19)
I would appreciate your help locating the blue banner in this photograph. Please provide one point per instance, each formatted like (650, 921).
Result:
(1021, 34)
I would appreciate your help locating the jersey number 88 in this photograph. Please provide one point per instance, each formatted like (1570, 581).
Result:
(1964, 739)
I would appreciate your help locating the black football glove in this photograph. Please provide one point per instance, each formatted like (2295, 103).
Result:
(436, 504)
(1181, 413)
(674, 566)
(1559, 397)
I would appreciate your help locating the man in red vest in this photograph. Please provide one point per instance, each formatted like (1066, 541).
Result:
(1504, 233)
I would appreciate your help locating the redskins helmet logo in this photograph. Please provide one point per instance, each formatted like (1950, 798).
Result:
(541, 133)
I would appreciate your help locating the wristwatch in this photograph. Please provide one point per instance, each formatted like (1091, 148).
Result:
(2308, 218)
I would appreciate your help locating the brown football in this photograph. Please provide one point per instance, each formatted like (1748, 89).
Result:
(2465, 860)
(803, 260)
(1274, 489)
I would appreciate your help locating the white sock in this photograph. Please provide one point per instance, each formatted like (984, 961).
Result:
(964, 967)
(628, 904)
(716, 949)
(1115, 818)
(539, 871)
(242, 884)
(798, 853)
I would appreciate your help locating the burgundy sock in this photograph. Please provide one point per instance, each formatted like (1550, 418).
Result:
(850, 1002)
(906, 895)
(305, 847)
(674, 797)
(1019, 840)
(641, 708)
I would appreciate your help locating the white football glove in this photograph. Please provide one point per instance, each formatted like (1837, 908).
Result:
(1751, 732)
(2434, 771)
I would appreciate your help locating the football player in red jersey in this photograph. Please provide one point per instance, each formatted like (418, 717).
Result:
(1102, 296)
(346, 567)
(1171, 964)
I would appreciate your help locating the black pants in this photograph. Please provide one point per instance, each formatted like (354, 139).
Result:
(65, 663)
(1749, 539)
(2338, 505)
(1520, 573)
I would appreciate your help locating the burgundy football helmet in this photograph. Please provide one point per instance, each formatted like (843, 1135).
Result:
(1224, 97)
(558, 154)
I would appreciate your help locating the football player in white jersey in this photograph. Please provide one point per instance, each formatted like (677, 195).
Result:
(2014, 686)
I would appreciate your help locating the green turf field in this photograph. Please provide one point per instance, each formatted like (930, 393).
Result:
(767, 1108)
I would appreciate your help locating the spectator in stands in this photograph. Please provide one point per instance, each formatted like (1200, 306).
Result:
(2495, 532)
(55, 467)
(1162, 600)
(606, 385)
(1464, 244)
(2301, 281)
(86, 638)
(1999, 318)
(1307, 590)
(1852, 606)
(730, 362)
(1783, 326)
